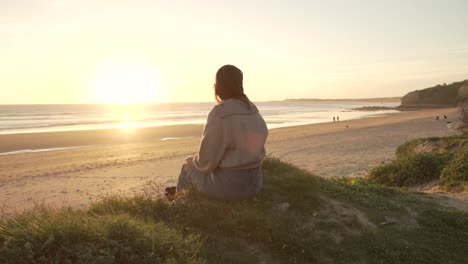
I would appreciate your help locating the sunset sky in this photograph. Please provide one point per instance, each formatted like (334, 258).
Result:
(90, 51)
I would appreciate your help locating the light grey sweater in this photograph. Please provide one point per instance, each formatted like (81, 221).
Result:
(234, 138)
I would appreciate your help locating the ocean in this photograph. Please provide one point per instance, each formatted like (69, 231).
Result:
(46, 118)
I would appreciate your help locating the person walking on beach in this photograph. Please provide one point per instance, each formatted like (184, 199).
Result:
(334, 119)
(228, 164)
(337, 119)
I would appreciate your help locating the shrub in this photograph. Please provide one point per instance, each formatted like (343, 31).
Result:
(433, 145)
(386, 174)
(455, 174)
(408, 148)
(410, 169)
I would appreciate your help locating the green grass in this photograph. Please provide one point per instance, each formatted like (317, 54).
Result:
(83, 237)
(455, 174)
(423, 160)
(434, 145)
(296, 218)
(411, 170)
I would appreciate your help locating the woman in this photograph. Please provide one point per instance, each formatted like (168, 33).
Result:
(228, 163)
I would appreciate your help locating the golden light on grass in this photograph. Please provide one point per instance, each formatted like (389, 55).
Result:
(127, 83)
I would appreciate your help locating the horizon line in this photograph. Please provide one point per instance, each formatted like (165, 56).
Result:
(182, 102)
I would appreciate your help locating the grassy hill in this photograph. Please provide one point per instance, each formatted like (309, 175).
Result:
(424, 160)
(297, 218)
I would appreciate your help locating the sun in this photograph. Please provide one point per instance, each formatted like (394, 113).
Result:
(127, 83)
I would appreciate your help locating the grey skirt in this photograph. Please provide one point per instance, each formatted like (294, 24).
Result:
(225, 184)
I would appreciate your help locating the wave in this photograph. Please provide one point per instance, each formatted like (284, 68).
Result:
(25, 151)
(21, 119)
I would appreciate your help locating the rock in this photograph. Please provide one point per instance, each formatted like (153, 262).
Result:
(463, 90)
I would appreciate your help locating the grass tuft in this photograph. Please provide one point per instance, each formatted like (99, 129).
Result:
(83, 237)
(423, 160)
(410, 170)
(455, 174)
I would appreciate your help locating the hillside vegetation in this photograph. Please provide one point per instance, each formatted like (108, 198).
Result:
(445, 95)
(296, 218)
(423, 160)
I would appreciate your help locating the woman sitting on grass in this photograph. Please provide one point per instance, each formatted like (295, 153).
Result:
(228, 163)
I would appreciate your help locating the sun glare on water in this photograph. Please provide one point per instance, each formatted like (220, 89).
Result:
(127, 84)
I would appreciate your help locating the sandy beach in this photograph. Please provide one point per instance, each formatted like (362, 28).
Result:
(111, 161)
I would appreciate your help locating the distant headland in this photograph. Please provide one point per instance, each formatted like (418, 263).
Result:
(441, 95)
(370, 100)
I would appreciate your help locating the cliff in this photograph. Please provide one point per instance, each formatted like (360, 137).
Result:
(446, 95)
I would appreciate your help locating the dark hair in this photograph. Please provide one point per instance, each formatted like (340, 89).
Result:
(229, 84)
